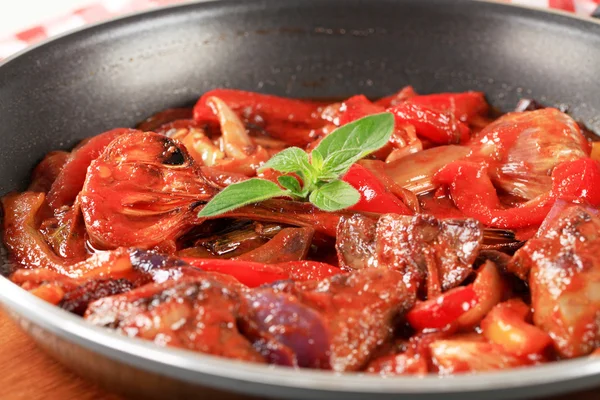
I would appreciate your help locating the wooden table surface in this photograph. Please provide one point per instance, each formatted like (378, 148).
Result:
(29, 374)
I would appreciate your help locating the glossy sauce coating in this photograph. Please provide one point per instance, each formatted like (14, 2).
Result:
(473, 246)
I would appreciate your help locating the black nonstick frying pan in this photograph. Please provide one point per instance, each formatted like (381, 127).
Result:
(118, 73)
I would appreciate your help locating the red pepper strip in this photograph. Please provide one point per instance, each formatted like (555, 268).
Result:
(438, 126)
(69, 181)
(357, 107)
(309, 270)
(439, 312)
(254, 274)
(267, 106)
(579, 181)
(374, 196)
(463, 106)
(474, 194)
(407, 92)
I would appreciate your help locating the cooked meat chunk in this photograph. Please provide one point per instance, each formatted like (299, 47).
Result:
(564, 277)
(336, 323)
(421, 247)
(196, 313)
(78, 299)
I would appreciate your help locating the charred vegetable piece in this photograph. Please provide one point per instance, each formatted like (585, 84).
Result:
(291, 244)
(293, 213)
(228, 239)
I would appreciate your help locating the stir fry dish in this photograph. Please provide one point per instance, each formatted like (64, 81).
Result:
(415, 234)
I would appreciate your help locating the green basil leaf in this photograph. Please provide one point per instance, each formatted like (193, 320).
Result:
(351, 142)
(334, 196)
(292, 159)
(290, 183)
(241, 194)
(316, 160)
(338, 163)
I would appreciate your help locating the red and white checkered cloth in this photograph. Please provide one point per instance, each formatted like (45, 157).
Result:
(106, 9)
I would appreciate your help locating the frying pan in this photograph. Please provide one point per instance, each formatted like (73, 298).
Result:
(117, 73)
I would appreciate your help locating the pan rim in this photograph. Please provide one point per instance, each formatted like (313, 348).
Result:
(186, 365)
(209, 3)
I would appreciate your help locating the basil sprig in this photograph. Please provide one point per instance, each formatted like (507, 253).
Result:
(319, 172)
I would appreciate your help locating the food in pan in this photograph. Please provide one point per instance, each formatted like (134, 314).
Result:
(414, 234)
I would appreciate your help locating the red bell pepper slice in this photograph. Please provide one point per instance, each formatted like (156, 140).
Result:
(489, 287)
(71, 178)
(474, 194)
(578, 181)
(374, 197)
(407, 92)
(438, 126)
(291, 120)
(309, 270)
(254, 274)
(463, 106)
(250, 103)
(444, 310)
(357, 107)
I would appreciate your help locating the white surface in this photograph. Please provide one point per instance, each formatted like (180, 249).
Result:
(17, 15)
